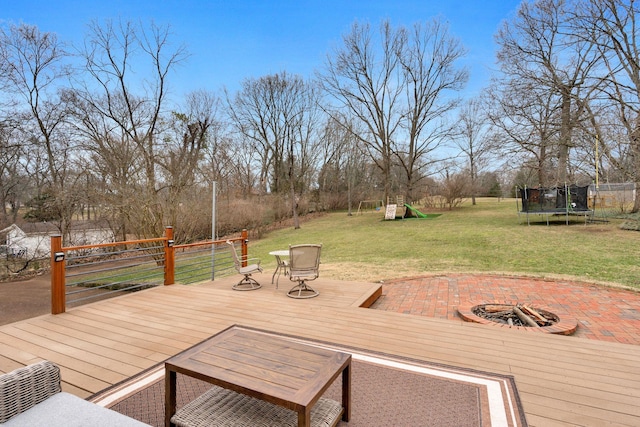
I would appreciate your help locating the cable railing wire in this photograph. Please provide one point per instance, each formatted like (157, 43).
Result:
(101, 270)
(201, 263)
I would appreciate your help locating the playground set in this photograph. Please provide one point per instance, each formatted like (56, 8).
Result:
(402, 210)
(394, 209)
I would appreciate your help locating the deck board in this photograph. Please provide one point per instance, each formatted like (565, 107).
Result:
(561, 380)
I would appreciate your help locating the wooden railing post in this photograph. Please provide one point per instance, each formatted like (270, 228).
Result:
(169, 257)
(245, 247)
(58, 301)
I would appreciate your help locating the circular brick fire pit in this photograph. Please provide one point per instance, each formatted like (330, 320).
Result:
(518, 316)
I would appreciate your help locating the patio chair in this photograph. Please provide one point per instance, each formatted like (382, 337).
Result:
(304, 264)
(32, 396)
(248, 283)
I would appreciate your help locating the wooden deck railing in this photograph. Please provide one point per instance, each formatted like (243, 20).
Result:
(154, 261)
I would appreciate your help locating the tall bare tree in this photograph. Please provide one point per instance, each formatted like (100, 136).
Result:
(471, 135)
(115, 53)
(398, 88)
(524, 128)
(252, 112)
(364, 77)
(538, 49)
(429, 58)
(111, 159)
(182, 150)
(12, 175)
(279, 115)
(343, 164)
(33, 67)
(614, 27)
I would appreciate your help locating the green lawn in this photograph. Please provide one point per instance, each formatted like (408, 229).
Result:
(488, 237)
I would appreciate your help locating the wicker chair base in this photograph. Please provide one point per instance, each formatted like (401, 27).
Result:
(220, 407)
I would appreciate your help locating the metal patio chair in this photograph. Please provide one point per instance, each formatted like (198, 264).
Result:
(304, 265)
(248, 283)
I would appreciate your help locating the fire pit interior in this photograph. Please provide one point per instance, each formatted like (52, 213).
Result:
(516, 315)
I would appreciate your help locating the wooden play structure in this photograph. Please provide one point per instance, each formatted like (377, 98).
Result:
(369, 205)
(400, 209)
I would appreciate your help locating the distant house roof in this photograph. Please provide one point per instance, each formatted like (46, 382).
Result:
(5, 230)
(50, 228)
(38, 227)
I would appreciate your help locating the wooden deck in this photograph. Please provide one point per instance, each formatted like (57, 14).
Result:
(562, 381)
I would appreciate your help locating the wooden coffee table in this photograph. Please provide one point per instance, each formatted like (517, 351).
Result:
(275, 369)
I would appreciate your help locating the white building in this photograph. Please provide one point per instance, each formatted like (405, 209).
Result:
(33, 240)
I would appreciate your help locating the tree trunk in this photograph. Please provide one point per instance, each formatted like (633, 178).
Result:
(294, 206)
(635, 156)
(565, 136)
(472, 166)
(386, 173)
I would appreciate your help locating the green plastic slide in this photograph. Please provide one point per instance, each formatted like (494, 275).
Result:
(415, 211)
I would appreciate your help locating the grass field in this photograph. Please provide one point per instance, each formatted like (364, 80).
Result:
(487, 237)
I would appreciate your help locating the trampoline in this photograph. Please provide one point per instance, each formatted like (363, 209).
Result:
(569, 200)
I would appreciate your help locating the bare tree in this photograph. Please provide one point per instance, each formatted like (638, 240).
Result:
(367, 82)
(539, 50)
(398, 88)
(12, 175)
(182, 149)
(244, 167)
(251, 111)
(111, 52)
(32, 67)
(112, 161)
(471, 135)
(523, 120)
(428, 57)
(613, 27)
(344, 165)
(454, 186)
(303, 142)
(278, 114)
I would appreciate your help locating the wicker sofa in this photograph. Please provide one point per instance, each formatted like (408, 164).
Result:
(31, 396)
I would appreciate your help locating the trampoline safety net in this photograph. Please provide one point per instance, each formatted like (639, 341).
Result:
(554, 199)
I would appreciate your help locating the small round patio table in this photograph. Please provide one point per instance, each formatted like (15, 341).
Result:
(281, 266)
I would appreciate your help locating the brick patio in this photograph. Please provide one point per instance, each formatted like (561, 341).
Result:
(603, 313)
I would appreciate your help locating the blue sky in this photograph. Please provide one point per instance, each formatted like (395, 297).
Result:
(230, 40)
